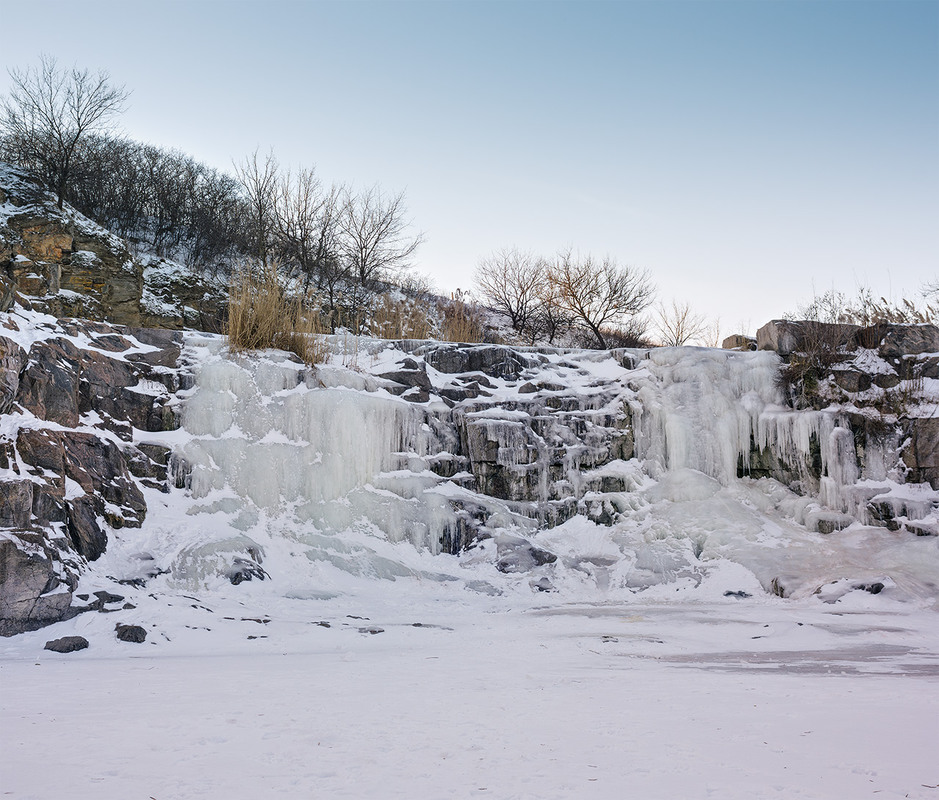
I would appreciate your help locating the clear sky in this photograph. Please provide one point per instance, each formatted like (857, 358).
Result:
(746, 153)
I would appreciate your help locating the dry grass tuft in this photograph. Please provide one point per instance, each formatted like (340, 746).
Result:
(462, 321)
(261, 314)
(403, 318)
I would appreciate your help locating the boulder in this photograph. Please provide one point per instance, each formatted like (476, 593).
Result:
(806, 336)
(894, 341)
(245, 569)
(886, 380)
(492, 360)
(67, 644)
(738, 341)
(779, 335)
(130, 633)
(852, 380)
(31, 594)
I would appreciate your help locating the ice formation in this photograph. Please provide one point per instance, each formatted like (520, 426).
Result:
(332, 461)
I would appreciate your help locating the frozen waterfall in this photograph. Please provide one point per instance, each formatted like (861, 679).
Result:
(337, 462)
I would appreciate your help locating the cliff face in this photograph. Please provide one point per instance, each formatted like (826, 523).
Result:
(880, 379)
(628, 467)
(62, 263)
(75, 398)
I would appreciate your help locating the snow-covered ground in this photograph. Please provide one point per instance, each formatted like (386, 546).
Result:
(465, 696)
(658, 663)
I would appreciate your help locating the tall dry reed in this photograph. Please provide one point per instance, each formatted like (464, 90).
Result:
(261, 314)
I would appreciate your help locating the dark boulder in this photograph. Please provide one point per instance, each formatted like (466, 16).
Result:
(492, 360)
(31, 594)
(895, 341)
(245, 569)
(67, 644)
(852, 380)
(131, 633)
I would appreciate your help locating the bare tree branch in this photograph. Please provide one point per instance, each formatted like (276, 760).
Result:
(678, 324)
(511, 281)
(259, 181)
(50, 113)
(598, 294)
(374, 237)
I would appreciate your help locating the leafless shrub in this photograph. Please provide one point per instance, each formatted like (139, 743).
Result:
(400, 318)
(633, 333)
(711, 335)
(819, 347)
(865, 309)
(677, 324)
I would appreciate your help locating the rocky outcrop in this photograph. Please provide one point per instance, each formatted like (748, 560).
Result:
(882, 376)
(35, 589)
(64, 264)
(72, 466)
(790, 336)
(739, 341)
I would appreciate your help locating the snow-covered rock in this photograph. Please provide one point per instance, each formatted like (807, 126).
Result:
(65, 264)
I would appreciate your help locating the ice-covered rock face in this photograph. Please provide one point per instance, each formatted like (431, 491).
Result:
(625, 469)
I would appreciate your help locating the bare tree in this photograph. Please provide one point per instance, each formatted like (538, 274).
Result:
(374, 238)
(511, 281)
(549, 320)
(305, 223)
(50, 112)
(259, 181)
(930, 289)
(677, 324)
(598, 294)
(711, 336)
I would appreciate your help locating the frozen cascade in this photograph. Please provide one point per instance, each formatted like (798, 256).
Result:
(698, 408)
(706, 409)
(328, 463)
(270, 446)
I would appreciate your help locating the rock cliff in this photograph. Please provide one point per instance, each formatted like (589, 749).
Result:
(476, 450)
(75, 398)
(62, 263)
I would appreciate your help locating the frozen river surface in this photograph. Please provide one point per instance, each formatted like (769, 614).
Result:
(422, 694)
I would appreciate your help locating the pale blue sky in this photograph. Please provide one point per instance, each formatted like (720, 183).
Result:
(746, 153)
